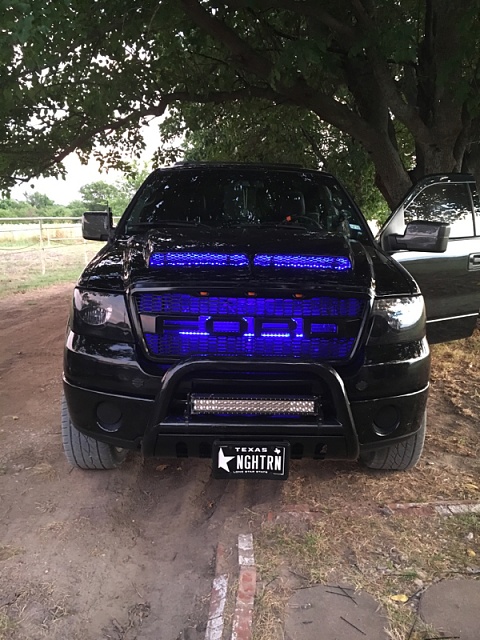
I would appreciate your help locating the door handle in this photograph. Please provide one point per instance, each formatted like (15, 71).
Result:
(474, 262)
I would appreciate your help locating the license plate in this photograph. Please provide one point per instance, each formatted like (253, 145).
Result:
(232, 460)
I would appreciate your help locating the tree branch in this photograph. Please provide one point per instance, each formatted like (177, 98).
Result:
(241, 52)
(317, 152)
(308, 8)
(405, 112)
(331, 111)
(158, 110)
(327, 108)
(362, 14)
(87, 134)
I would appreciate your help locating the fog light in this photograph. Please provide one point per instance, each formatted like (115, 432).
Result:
(386, 420)
(109, 417)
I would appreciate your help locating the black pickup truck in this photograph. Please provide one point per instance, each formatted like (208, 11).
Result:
(245, 313)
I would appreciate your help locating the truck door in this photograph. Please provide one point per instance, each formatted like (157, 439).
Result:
(449, 281)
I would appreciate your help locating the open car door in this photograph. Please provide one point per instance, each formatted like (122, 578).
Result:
(435, 235)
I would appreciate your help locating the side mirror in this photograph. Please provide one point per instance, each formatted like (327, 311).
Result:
(421, 236)
(97, 225)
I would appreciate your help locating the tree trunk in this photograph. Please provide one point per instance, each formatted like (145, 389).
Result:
(435, 158)
(391, 177)
(471, 161)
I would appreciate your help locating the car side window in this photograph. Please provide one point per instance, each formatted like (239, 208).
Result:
(444, 202)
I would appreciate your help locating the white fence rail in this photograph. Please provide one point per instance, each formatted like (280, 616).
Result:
(39, 229)
(44, 244)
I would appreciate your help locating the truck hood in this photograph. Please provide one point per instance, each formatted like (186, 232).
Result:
(141, 261)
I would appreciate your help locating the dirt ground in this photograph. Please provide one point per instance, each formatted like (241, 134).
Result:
(129, 553)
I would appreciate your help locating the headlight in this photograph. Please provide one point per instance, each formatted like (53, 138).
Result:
(398, 319)
(101, 314)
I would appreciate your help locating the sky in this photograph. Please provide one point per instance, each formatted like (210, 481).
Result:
(64, 191)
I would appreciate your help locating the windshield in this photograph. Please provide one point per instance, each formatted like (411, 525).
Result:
(220, 197)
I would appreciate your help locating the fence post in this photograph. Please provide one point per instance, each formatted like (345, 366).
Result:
(85, 254)
(42, 255)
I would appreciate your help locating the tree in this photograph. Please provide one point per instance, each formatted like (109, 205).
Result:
(38, 201)
(364, 67)
(95, 196)
(35, 205)
(14, 209)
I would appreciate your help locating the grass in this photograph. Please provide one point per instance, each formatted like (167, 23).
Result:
(33, 242)
(21, 271)
(44, 470)
(6, 625)
(44, 601)
(456, 369)
(19, 245)
(7, 551)
(39, 281)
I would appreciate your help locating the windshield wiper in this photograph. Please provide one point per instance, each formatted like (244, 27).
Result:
(166, 223)
(271, 225)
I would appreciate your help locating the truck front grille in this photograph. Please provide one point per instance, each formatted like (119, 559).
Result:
(179, 325)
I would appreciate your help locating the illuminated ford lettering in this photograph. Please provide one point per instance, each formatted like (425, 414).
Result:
(246, 327)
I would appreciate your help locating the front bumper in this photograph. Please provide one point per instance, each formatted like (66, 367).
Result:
(161, 427)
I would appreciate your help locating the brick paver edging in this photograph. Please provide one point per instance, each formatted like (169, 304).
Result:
(442, 508)
(243, 616)
(247, 582)
(218, 598)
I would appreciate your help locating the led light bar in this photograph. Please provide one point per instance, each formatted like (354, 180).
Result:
(244, 405)
(190, 259)
(319, 263)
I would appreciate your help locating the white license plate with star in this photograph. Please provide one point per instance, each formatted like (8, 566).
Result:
(232, 460)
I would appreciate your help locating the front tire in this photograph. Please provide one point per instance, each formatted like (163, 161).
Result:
(84, 451)
(400, 456)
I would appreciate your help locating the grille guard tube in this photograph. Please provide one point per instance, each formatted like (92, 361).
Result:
(176, 373)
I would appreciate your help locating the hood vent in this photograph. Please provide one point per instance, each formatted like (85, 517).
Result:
(196, 259)
(176, 259)
(322, 263)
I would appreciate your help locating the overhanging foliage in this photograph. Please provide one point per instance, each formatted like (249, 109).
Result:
(80, 74)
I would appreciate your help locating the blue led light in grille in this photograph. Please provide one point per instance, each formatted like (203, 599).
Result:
(193, 333)
(321, 263)
(275, 325)
(318, 327)
(226, 326)
(177, 324)
(184, 303)
(186, 344)
(191, 259)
